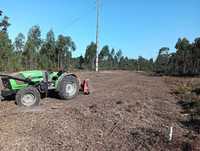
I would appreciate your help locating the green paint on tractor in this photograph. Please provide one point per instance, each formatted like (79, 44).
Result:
(29, 86)
(34, 75)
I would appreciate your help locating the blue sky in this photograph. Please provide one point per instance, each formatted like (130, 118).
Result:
(138, 27)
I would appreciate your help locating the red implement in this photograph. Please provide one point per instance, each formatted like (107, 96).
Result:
(85, 87)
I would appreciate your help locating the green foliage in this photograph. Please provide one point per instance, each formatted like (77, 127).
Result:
(19, 42)
(47, 52)
(90, 55)
(145, 64)
(81, 62)
(162, 60)
(6, 49)
(52, 53)
(64, 48)
(34, 53)
(4, 23)
(118, 55)
(31, 48)
(109, 60)
(185, 61)
(56, 53)
(105, 58)
(105, 53)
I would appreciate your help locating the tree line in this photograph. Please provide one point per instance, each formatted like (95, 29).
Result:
(184, 61)
(55, 53)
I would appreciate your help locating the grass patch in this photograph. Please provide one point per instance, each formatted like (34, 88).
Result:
(183, 89)
(190, 102)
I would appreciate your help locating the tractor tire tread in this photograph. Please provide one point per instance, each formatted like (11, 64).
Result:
(62, 88)
(31, 90)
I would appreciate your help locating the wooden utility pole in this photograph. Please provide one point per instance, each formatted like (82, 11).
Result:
(97, 36)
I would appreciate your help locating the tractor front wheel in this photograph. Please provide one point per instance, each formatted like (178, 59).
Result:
(28, 97)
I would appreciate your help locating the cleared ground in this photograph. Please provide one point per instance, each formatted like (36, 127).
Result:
(125, 111)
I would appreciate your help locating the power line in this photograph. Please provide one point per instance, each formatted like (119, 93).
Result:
(78, 18)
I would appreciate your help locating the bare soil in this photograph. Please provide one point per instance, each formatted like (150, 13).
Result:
(125, 111)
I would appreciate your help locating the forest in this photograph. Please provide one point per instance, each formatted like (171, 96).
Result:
(55, 53)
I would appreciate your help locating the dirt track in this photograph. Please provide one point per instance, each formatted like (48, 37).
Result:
(125, 111)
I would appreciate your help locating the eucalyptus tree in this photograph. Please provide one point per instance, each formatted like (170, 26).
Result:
(19, 42)
(48, 51)
(64, 48)
(4, 22)
(32, 47)
(90, 55)
(161, 63)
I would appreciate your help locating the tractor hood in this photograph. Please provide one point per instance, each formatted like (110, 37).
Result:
(35, 75)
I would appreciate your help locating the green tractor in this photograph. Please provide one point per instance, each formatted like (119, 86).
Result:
(29, 86)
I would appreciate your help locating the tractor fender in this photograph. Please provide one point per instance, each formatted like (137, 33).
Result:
(57, 84)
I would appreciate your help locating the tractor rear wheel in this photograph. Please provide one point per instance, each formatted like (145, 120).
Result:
(69, 87)
(28, 97)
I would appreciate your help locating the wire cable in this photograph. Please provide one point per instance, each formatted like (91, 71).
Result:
(83, 16)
